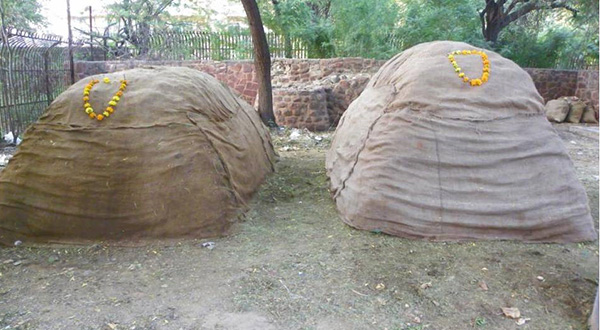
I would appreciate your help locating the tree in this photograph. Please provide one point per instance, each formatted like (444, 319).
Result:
(21, 14)
(137, 20)
(498, 14)
(262, 63)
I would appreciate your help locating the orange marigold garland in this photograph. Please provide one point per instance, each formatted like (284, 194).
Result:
(486, 66)
(111, 104)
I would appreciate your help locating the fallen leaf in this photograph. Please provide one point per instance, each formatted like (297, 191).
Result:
(483, 286)
(522, 320)
(426, 285)
(540, 278)
(511, 312)
(112, 326)
(380, 286)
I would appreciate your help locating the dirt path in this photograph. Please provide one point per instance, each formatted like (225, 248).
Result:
(294, 265)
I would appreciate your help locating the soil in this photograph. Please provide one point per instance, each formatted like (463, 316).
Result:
(292, 264)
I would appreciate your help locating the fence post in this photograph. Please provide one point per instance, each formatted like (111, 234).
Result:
(47, 72)
(71, 62)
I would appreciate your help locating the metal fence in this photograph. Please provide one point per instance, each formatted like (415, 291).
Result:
(33, 72)
(191, 45)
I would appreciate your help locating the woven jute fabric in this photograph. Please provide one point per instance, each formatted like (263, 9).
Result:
(421, 154)
(180, 157)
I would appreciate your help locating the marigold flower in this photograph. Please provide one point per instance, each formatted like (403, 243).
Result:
(113, 102)
(486, 66)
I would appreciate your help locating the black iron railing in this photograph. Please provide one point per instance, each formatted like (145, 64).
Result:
(33, 72)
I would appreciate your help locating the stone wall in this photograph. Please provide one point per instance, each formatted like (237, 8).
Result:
(302, 88)
(552, 84)
(291, 72)
(327, 86)
(587, 87)
(239, 75)
(305, 108)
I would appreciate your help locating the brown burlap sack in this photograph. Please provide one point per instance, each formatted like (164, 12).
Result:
(557, 110)
(179, 157)
(576, 110)
(589, 115)
(421, 154)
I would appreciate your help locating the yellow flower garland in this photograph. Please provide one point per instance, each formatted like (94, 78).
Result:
(485, 76)
(112, 104)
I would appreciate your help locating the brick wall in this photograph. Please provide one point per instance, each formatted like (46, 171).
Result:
(299, 84)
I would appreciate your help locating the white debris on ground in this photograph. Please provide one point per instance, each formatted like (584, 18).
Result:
(7, 149)
(10, 138)
(292, 139)
(4, 159)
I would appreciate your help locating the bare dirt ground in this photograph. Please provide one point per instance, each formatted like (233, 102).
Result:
(294, 265)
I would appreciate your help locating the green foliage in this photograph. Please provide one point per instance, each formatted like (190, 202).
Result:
(22, 14)
(381, 28)
(553, 39)
(530, 49)
(302, 19)
(362, 27)
(425, 20)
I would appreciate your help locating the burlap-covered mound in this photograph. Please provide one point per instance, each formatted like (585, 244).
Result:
(179, 157)
(421, 154)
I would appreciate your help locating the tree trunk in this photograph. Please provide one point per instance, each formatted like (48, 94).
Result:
(262, 63)
(492, 32)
